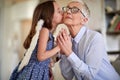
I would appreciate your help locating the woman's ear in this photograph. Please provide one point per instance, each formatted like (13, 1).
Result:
(85, 20)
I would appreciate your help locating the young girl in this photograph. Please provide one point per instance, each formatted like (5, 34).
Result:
(38, 65)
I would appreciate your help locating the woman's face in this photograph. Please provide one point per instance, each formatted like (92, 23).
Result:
(71, 18)
(57, 17)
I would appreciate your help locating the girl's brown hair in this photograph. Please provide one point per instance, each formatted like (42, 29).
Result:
(43, 11)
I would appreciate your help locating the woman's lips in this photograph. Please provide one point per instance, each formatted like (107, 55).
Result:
(67, 17)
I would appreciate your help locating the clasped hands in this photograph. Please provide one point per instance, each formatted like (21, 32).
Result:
(64, 42)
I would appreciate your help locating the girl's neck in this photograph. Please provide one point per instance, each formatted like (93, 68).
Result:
(52, 30)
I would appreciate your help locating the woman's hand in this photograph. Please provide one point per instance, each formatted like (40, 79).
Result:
(64, 41)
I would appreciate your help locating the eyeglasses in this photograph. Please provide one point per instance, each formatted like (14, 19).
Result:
(73, 10)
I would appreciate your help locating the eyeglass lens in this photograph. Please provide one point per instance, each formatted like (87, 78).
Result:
(73, 10)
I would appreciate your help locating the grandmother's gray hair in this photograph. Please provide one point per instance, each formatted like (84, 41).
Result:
(85, 8)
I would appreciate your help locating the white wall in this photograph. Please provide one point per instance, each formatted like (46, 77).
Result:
(4, 48)
(6, 55)
(1, 39)
(23, 10)
(10, 17)
(97, 14)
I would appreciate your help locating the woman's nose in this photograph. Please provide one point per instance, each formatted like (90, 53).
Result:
(68, 11)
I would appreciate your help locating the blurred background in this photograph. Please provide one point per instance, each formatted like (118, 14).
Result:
(15, 23)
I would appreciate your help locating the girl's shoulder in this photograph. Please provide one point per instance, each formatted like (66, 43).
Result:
(44, 30)
(44, 33)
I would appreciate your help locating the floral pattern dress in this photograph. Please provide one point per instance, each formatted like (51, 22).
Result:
(35, 70)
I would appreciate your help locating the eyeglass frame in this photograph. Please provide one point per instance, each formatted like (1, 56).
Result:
(69, 8)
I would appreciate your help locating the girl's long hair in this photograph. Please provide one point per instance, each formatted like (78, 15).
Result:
(43, 11)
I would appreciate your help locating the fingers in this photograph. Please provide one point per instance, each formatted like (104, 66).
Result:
(64, 34)
(64, 41)
(63, 37)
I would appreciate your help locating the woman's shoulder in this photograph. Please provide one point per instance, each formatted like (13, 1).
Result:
(92, 35)
(90, 32)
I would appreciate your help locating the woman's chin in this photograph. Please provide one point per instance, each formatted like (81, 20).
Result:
(67, 22)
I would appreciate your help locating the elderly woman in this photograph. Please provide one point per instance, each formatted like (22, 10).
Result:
(84, 56)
